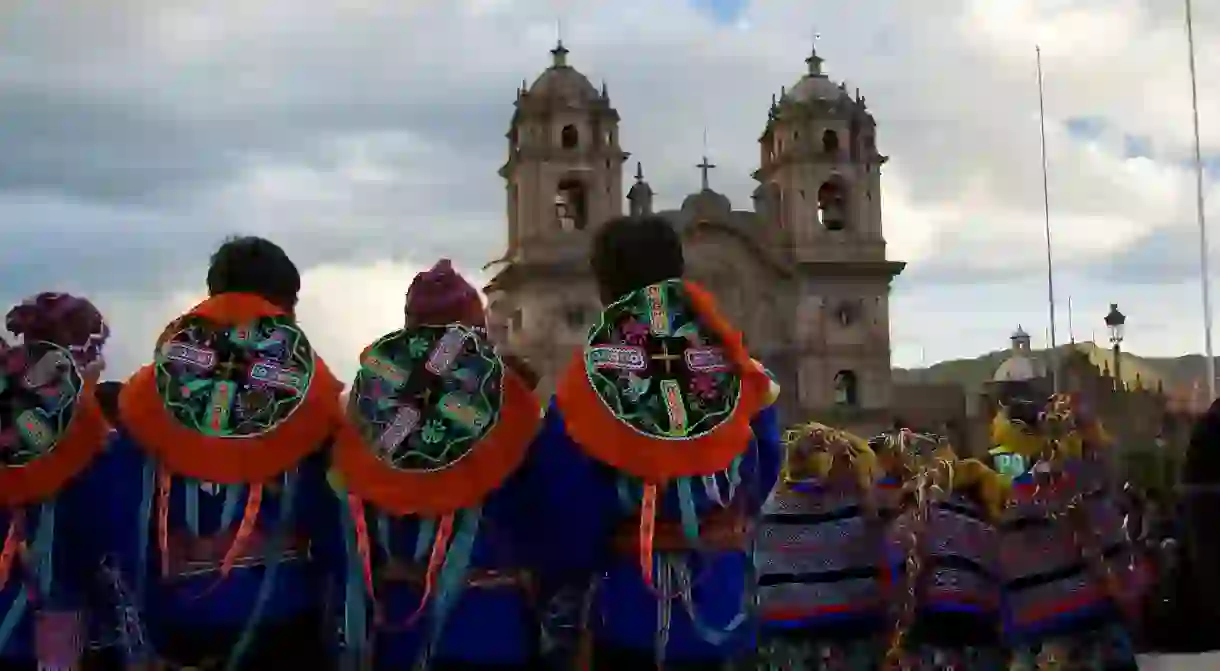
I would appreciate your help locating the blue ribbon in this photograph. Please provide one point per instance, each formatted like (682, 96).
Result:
(13, 617)
(190, 494)
(44, 572)
(273, 553)
(424, 537)
(355, 609)
(148, 485)
(228, 514)
(688, 513)
(453, 573)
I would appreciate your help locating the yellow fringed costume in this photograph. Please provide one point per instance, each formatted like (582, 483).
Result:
(1067, 560)
(816, 451)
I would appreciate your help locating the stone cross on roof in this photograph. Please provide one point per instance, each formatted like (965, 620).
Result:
(704, 167)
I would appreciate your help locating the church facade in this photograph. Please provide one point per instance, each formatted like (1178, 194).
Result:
(803, 273)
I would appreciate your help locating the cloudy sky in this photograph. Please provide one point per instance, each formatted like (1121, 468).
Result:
(364, 135)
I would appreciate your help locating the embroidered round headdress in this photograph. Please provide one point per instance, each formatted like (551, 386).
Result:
(425, 397)
(658, 368)
(39, 388)
(50, 425)
(223, 380)
(436, 421)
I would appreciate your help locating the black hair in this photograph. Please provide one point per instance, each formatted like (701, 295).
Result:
(254, 265)
(630, 253)
(1198, 582)
(107, 394)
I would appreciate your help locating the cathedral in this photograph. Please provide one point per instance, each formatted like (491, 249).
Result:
(803, 273)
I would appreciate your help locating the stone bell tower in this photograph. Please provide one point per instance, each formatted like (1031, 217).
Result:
(564, 171)
(564, 178)
(819, 194)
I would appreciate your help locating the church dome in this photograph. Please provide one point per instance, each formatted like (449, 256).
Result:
(639, 190)
(563, 82)
(1018, 368)
(708, 202)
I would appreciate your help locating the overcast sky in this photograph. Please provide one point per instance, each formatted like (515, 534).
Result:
(364, 136)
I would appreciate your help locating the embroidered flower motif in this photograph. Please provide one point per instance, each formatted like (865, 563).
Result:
(433, 432)
(634, 332)
(704, 386)
(417, 346)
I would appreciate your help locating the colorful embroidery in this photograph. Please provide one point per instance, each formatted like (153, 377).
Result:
(39, 387)
(658, 368)
(424, 398)
(234, 381)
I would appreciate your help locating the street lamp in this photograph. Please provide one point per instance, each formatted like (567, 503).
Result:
(1116, 323)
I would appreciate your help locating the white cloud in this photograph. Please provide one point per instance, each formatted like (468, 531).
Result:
(364, 135)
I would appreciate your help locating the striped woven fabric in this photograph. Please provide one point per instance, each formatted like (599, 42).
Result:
(819, 557)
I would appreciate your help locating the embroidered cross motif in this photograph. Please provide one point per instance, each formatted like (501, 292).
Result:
(665, 358)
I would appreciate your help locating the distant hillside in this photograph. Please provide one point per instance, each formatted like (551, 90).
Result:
(1174, 372)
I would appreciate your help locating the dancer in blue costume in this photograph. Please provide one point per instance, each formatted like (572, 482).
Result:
(657, 454)
(947, 600)
(439, 425)
(1070, 576)
(821, 557)
(221, 522)
(51, 431)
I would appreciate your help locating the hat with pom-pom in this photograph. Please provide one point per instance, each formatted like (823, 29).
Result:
(441, 296)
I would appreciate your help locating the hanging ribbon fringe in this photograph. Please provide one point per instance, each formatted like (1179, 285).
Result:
(164, 483)
(648, 528)
(355, 508)
(12, 543)
(249, 520)
(444, 532)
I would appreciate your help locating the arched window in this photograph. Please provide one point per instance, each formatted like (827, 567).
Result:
(571, 205)
(847, 313)
(847, 389)
(830, 142)
(569, 137)
(832, 205)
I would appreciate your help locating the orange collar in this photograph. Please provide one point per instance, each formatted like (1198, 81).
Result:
(46, 476)
(184, 452)
(606, 438)
(465, 483)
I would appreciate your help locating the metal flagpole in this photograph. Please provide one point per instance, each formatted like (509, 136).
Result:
(1204, 275)
(1046, 210)
(1071, 327)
